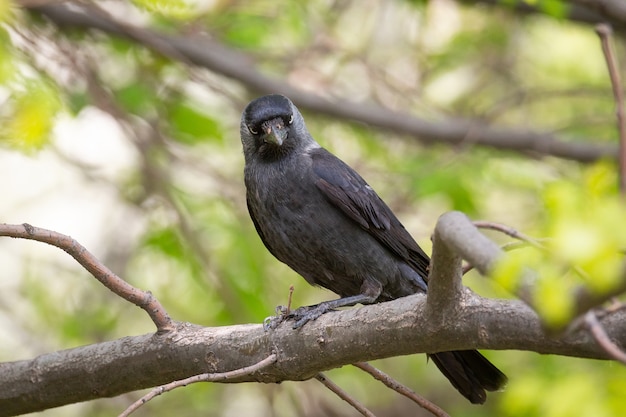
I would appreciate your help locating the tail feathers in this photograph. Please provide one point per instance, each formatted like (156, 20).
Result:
(470, 373)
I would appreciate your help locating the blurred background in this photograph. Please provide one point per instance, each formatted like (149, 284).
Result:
(135, 153)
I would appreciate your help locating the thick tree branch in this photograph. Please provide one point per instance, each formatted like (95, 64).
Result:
(131, 363)
(233, 64)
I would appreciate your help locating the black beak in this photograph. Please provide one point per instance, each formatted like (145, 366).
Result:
(274, 131)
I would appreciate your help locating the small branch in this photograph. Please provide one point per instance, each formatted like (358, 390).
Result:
(525, 240)
(444, 280)
(509, 231)
(343, 395)
(605, 32)
(401, 389)
(461, 235)
(142, 299)
(455, 238)
(207, 377)
(599, 334)
(587, 299)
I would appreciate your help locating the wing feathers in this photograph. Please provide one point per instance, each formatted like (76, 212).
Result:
(355, 198)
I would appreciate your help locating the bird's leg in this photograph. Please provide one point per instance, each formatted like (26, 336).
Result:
(307, 313)
(370, 290)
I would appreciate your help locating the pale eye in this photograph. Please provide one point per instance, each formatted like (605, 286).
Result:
(290, 120)
(254, 132)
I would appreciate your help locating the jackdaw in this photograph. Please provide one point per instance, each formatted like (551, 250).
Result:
(317, 215)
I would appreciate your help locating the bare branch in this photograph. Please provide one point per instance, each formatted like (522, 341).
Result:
(216, 57)
(604, 31)
(401, 389)
(343, 395)
(206, 377)
(112, 368)
(599, 334)
(142, 299)
(584, 11)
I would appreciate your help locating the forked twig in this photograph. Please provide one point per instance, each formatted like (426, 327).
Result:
(401, 389)
(600, 336)
(524, 240)
(343, 395)
(142, 299)
(207, 377)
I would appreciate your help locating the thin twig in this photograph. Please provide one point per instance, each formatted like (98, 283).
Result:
(599, 334)
(142, 299)
(605, 32)
(509, 246)
(207, 377)
(401, 389)
(344, 395)
(291, 289)
(509, 231)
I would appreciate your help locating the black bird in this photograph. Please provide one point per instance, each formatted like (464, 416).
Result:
(317, 215)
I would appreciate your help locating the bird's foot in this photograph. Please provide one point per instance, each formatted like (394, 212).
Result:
(272, 322)
(305, 314)
(301, 316)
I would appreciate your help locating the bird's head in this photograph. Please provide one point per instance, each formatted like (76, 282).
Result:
(272, 127)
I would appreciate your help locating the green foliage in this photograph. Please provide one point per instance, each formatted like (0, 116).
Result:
(27, 113)
(175, 9)
(191, 125)
(583, 222)
(581, 388)
(262, 24)
(554, 8)
(137, 98)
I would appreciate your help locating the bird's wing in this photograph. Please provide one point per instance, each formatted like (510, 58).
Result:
(258, 227)
(345, 188)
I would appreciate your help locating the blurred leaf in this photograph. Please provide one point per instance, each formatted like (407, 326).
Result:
(137, 98)
(178, 9)
(30, 118)
(553, 296)
(165, 240)
(7, 63)
(191, 126)
(452, 184)
(77, 102)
